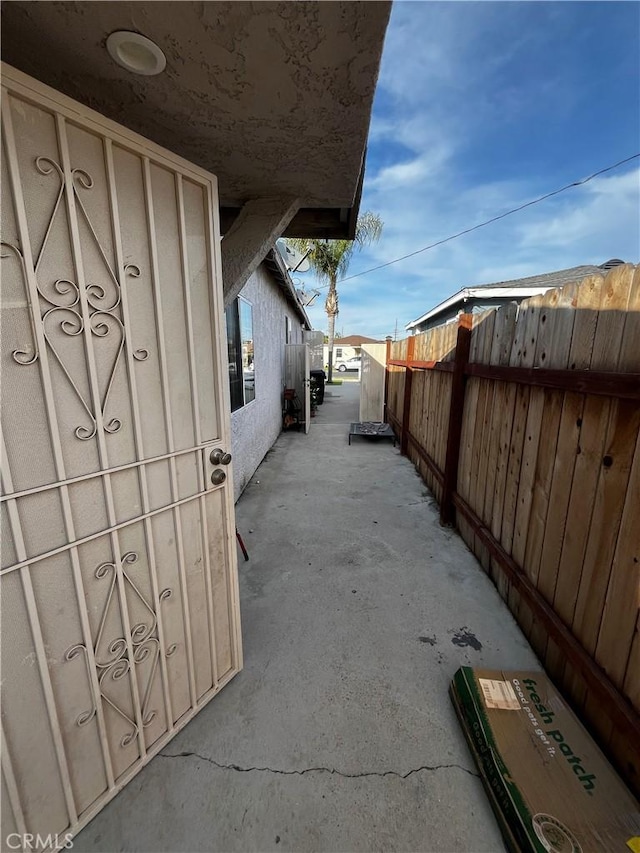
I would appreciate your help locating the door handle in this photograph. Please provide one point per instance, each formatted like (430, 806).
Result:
(218, 477)
(219, 457)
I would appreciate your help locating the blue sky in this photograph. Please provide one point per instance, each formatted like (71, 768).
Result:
(480, 107)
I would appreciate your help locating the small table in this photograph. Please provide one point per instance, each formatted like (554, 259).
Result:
(371, 429)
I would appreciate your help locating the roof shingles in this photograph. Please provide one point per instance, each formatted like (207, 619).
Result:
(517, 287)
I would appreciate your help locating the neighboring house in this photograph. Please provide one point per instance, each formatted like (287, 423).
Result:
(152, 155)
(474, 300)
(347, 347)
(266, 316)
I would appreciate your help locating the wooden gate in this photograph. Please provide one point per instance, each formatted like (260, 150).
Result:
(372, 382)
(296, 371)
(120, 611)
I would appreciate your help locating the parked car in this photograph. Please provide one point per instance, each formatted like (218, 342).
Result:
(348, 364)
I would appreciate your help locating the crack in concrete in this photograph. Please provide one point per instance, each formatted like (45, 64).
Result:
(331, 770)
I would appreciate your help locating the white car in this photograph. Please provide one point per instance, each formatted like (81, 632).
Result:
(349, 364)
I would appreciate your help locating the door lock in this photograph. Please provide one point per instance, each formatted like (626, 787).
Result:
(219, 457)
(218, 477)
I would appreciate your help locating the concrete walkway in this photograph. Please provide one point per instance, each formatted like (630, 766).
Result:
(339, 734)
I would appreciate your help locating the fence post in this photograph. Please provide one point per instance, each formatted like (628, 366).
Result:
(386, 377)
(454, 430)
(406, 403)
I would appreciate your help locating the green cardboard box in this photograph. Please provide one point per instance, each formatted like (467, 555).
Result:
(551, 788)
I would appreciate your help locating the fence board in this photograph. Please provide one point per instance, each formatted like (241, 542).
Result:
(442, 389)
(584, 328)
(482, 428)
(620, 610)
(530, 404)
(511, 348)
(554, 475)
(415, 420)
(525, 357)
(446, 384)
(487, 391)
(433, 402)
(441, 404)
(613, 490)
(503, 330)
(615, 638)
(614, 654)
(552, 350)
(465, 462)
(396, 380)
(614, 470)
(423, 352)
(594, 421)
(429, 402)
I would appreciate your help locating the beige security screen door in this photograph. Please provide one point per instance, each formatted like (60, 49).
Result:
(119, 589)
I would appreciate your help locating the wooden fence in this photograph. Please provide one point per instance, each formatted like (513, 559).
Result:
(524, 422)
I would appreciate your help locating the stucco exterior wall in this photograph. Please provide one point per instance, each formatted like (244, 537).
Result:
(255, 427)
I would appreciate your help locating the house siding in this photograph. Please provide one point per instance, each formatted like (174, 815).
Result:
(347, 352)
(471, 306)
(256, 426)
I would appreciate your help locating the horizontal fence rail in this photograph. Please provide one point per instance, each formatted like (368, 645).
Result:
(524, 423)
(623, 385)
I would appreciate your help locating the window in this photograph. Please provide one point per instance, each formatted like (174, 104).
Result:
(338, 352)
(287, 330)
(242, 386)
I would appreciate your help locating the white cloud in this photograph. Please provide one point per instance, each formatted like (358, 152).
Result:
(403, 175)
(587, 225)
(446, 85)
(595, 216)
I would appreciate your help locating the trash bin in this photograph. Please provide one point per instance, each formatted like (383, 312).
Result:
(318, 376)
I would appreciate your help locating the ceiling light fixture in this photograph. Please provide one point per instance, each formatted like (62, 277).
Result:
(136, 53)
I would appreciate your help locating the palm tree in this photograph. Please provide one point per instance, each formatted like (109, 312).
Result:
(330, 259)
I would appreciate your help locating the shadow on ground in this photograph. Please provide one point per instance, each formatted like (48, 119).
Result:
(357, 610)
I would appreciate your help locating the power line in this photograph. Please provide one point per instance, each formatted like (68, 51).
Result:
(493, 219)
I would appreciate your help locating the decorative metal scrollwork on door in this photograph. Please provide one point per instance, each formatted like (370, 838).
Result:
(73, 308)
(111, 656)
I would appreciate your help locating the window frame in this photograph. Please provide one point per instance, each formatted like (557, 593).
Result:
(236, 358)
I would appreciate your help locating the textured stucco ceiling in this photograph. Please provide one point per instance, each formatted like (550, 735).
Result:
(274, 98)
